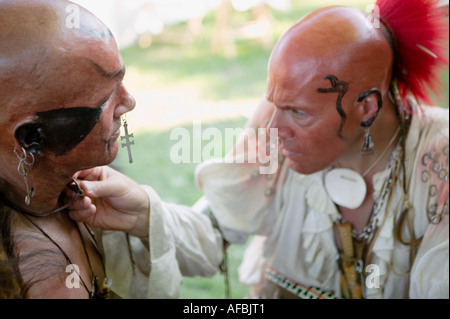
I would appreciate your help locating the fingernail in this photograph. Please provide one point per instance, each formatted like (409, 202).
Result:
(87, 188)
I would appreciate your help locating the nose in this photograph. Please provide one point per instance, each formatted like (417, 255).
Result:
(126, 103)
(279, 121)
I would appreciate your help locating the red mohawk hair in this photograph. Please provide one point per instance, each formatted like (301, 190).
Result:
(419, 31)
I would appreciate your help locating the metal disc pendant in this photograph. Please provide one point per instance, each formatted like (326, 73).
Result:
(346, 187)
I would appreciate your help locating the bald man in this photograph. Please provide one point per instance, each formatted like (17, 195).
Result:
(359, 205)
(61, 100)
(356, 194)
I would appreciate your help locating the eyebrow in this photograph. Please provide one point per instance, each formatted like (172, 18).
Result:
(109, 75)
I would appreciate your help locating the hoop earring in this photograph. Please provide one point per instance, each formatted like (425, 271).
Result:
(24, 168)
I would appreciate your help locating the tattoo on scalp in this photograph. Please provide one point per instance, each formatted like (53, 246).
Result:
(341, 88)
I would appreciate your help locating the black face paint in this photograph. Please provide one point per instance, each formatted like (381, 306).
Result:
(62, 129)
(341, 88)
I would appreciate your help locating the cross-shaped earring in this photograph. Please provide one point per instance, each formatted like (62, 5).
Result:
(127, 138)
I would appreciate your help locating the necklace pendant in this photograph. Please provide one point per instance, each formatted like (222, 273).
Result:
(346, 187)
(94, 287)
(105, 288)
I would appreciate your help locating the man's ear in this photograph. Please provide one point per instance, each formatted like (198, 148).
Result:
(372, 102)
(30, 136)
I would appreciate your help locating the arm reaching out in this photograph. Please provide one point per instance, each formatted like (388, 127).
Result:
(113, 202)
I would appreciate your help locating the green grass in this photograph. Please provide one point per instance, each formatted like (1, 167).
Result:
(175, 183)
(152, 164)
(166, 64)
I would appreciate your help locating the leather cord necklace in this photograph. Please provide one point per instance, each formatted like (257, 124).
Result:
(346, 187)
(94, 292)
(74, 186)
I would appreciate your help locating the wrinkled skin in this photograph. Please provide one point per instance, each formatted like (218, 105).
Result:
(45, 66)
(336, 42)
(333, 41)
(61, 99)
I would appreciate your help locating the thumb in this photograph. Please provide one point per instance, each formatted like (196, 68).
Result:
(98, 189)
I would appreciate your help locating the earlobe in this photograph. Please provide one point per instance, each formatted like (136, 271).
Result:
(372, 104)
(30, 136)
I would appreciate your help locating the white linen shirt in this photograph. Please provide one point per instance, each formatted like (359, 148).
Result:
(293, 218)
(295, 224)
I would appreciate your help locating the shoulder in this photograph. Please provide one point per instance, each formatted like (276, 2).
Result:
(433, 119)
(427, 162)
(428, 140)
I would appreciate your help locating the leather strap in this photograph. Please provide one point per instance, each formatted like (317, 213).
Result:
(350, 263)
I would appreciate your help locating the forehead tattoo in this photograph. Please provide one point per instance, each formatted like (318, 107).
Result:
(341, 88)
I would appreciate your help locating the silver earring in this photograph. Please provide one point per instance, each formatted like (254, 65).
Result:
(368, 146)
(24, 169)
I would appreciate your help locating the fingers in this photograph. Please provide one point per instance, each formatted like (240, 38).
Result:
(105, 188)
(82, 215)
(81, 203)
(81, 208)
(94, 189)
(92, 174)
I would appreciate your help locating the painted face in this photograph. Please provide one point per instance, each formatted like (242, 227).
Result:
(93, 131)
(59, 131)
(317, 73)
(83, 132)
(311, 120)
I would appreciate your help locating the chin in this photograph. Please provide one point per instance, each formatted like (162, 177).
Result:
(109, 155)
(111, 152)
(301, 168)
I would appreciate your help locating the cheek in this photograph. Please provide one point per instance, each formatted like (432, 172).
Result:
(98, 141)
(105, 124)
(319, 148)
(313, 138)
(95, 150)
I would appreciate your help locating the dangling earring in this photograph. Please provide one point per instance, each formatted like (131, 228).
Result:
(24, 169)
(367, 149)
(127, 137)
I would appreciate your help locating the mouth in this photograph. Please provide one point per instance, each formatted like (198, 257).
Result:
(290, 154)
(116, 134)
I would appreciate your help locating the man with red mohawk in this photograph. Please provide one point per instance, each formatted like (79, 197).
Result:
(359, 205)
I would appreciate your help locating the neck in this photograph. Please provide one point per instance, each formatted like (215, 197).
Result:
(49, 186)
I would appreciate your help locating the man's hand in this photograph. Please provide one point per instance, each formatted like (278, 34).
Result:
(113, 202)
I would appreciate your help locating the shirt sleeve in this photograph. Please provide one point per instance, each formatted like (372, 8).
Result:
(430, 274)
(430, 196)
(181, 242)
(240, 189)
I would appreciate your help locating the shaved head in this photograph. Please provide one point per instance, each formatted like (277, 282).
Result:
(329, 77)
(61, 94)
(36, 38)
(333, 41)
